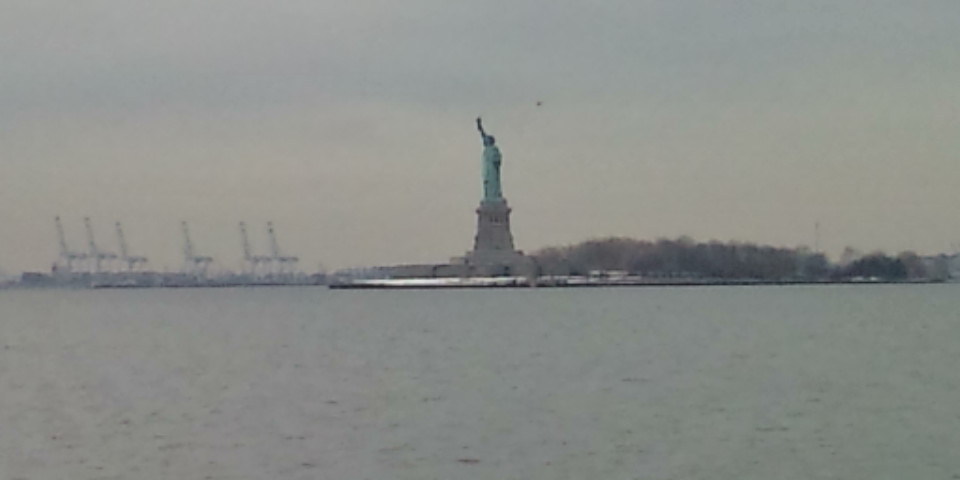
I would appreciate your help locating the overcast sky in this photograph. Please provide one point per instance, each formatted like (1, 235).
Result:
(350, 124)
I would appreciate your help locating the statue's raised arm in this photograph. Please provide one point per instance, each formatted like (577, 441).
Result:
(483, 134)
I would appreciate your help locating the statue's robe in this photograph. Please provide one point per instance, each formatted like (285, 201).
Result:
(491, 173)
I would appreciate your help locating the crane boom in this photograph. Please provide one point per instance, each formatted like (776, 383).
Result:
(283, 263)
(92, 245)
(68, 257)
(194, 264)
(62, 238)
(132, 261)
(245, 242)
(274, 246)
(124, 253)
(187, 244)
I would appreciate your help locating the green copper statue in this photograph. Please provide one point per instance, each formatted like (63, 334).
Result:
(491, 166)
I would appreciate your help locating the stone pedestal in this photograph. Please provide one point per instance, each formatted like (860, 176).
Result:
(493, 251)
(493, 228)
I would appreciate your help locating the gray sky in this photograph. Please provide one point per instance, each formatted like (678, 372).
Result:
(350, 123)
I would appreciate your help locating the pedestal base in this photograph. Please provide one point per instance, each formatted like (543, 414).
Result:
(493, 228)
(493, 251)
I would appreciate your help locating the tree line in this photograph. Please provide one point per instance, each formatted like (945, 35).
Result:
(686, 258)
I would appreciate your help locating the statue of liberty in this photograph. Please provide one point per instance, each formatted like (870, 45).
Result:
(492, 190)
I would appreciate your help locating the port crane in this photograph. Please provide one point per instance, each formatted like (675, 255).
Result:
(66, 256)
(132, 261)
(284, 263)
(193, 264)
(96, 255)
(252, 261)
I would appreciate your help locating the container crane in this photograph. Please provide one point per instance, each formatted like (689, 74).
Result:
(95, 254)
(284, 263)
(252, 261)
(193, 264)
(132, 261)
(66, 256)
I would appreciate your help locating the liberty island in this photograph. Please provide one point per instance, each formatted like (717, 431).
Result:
(493, 253)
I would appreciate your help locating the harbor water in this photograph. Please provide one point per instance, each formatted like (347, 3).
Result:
(794, 382)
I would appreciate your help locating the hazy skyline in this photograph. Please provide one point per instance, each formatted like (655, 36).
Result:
(350, 124)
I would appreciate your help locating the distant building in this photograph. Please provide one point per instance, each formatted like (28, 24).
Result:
(942, 267)
(953, 266)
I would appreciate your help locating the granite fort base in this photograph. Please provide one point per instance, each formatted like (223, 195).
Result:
(493, 251)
